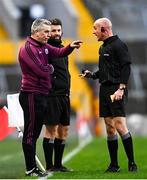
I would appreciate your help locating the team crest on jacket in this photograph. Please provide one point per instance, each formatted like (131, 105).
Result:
(46, 51)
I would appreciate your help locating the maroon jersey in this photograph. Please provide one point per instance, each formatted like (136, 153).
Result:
(36, 72)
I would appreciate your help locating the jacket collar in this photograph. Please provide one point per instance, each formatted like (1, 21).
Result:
(34, 42)
(110, 39)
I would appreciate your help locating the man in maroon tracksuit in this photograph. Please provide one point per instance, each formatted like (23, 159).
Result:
(36, 83)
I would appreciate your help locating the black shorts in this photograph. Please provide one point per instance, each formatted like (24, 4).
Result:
(58, 111)
(109, 108)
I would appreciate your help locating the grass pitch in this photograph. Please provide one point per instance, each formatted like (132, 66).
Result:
(90, 163)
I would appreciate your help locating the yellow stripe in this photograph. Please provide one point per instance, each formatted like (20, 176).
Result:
(81, 94)
(3, 32)
(85, 20)
(89, 50)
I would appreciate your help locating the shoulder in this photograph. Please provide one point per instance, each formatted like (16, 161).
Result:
(61, 46)
(28, 49)
(119, 44)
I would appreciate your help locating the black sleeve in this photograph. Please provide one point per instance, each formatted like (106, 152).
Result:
(124, 59)
(95, 75)
(125, 73)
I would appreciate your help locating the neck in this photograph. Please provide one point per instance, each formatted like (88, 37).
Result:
(110, 34)
(34, 37)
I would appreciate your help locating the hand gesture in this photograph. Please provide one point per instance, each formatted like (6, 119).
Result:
(76, 44)
(86, 73)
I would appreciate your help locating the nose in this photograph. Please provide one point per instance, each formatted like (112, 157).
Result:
(57, 33)
(49, 34)
(93, 32)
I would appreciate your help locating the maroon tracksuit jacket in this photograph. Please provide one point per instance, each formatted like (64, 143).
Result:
(36, 72)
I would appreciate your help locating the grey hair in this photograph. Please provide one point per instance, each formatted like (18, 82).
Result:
(37, 24)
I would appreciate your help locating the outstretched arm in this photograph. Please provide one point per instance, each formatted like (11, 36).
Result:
(65, 51)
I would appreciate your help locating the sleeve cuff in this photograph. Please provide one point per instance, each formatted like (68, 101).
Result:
(94, 76)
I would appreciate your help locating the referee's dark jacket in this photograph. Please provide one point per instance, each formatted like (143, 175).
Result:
(114, 62)
(61, 76)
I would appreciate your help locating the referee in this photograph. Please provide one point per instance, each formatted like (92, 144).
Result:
(113, 75)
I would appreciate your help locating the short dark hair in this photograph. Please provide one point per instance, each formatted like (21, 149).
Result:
(56, 21)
